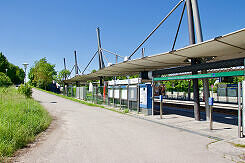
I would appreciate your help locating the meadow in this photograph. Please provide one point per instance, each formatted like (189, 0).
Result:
(21, 120)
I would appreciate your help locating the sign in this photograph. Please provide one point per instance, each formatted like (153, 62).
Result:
(124, 94)
(125, 82)
(143, 96)
(198, 76)
(132, 94)
(116, 93)
(210, 101)
(110, 92)
(90, 89)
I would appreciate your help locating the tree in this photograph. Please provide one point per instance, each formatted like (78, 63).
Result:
(4, 80)
(3, 63)
(63, 74)
(42, 74)
(16, 74)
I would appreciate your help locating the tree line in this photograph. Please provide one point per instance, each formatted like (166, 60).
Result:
(10, 73)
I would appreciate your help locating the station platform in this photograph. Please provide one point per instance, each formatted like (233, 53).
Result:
(191, 103)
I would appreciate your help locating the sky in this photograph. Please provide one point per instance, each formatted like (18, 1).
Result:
(31, 30)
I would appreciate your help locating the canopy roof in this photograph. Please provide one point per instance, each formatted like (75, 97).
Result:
(229, 46)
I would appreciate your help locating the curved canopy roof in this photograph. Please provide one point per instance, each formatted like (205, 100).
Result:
(225, 47)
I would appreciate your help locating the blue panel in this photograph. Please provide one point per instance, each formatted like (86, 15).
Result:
(210, 101)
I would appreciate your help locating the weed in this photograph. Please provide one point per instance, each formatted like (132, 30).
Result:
(21, 119)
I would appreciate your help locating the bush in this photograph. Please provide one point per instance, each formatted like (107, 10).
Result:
(26, 90)
(4, 80)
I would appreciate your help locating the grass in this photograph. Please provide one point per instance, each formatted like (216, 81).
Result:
(239, 145)
(83, 102)
(21, 119)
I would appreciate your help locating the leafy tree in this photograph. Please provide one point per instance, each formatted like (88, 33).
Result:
(16, 74)
(4, 80)
(42, 74)
(3, 63)
(63, 74)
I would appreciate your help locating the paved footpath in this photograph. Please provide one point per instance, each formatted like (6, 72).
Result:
(80, 134)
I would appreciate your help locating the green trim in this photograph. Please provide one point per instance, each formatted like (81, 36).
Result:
(198, 76)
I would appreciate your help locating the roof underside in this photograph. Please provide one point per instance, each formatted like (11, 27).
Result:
(226, 47)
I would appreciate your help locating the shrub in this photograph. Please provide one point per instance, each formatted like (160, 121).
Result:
(26, 90)
(126, 110)
(4, 80)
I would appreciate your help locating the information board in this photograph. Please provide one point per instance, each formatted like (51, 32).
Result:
(110, 92)
(124, 94)
(143, 97)
(116, 93)
(132, 93)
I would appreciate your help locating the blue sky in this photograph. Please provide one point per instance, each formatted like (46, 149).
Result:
(31, 30)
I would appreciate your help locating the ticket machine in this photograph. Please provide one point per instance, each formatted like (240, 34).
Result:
(146, 99)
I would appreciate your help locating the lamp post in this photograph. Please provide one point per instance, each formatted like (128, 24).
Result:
(25, 66)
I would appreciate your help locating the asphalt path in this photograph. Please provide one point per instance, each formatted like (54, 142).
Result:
(81, 134)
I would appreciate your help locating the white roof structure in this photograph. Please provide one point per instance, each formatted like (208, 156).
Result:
(229, 46)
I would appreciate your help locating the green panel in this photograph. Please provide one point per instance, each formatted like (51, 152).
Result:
(198, 76)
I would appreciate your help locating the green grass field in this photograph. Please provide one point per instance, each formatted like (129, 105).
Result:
(21, 119)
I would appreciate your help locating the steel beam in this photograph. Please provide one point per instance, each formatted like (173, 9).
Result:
(202, 66)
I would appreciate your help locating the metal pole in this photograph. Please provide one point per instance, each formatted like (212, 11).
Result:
(101, 62)
(89, 62)
(64, 63)
(161, 106)
(155, 29)
(120, 97)
(181, 17)
(76, 68)
(143, 52)
(196, 94)
(65, 67)
(25, 75)
(152, 96)
(128, 95)
(211, 118)
(199, 38)
(197, 21)
(190, 22)
(138, 97)
(194, 60)
(113, 93)
(239, 111)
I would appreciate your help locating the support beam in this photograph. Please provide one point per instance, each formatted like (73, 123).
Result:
(76, 66)
(199, 38)
(65, 68)
(196, 94)
(201, 66)
(194, 60)
(101, 62)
